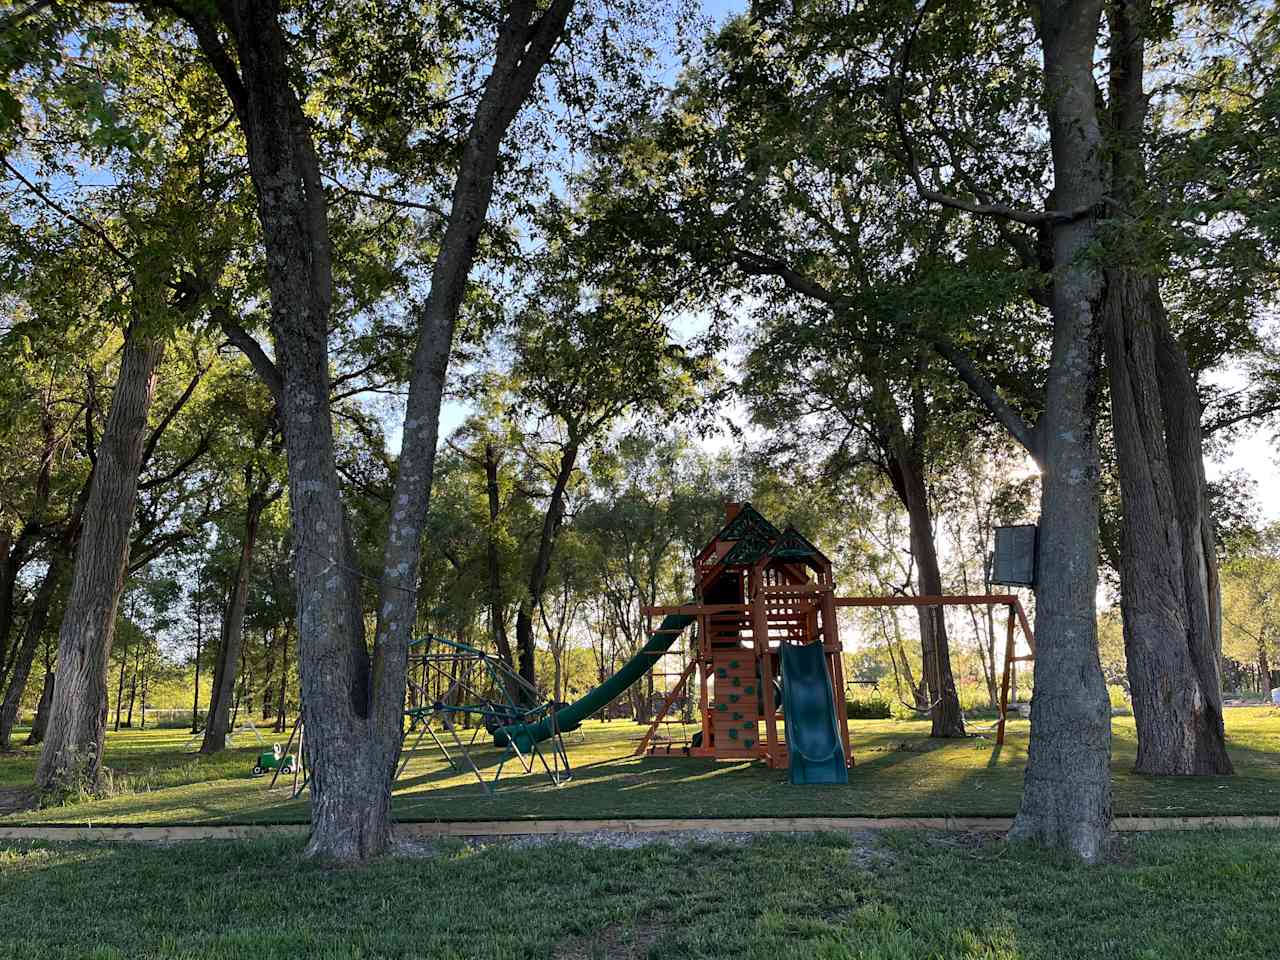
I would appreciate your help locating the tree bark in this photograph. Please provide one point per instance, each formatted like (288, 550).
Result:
(284, 681)
(218, 724)
(40, 722)
(1176, 700)
(1168, 572)
(124, 662)
(268, 672)
(33, 630)
(497, 607)
(72, 751)
(537, 585)
(195, 697)
(1066, 798)
(353, 706)
(133, 684)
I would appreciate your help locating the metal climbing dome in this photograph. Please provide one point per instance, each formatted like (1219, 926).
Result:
(471, 684)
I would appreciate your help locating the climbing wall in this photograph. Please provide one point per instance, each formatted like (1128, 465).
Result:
(735, 703)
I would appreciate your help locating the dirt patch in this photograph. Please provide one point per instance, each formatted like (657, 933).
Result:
(867, 852)
(595, 839)
(16, 800)
(618, 941)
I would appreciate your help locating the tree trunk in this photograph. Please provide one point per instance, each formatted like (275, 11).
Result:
(905, 456)
(218, 724)
(40, 722)
(133, 685)
(195, 697)
(1179, 718)
(353, 707)
(1171, 643)
(15, 553)
(33, 630)
(72, 752)
(124, 662)
(284, 681)
(145, 679)
(1066, 798)
(268, 673)
(542, 564)
(497, 606)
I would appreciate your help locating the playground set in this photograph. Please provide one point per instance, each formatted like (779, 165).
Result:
(764, 657)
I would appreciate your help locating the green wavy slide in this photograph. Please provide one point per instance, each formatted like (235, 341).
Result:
(571, 717)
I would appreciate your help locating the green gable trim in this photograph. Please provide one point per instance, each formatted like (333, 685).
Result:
(750, 548)
(793, 545)
(746, 522)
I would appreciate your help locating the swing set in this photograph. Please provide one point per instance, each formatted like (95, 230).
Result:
(1016, 618)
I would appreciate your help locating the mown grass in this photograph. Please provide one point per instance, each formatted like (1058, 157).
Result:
(899, 772)
(902, 895)
(144, 760)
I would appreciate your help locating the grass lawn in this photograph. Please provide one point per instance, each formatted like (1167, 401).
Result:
(897, 895)
(899, 771)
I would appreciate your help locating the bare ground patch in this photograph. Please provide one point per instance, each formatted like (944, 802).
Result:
(618, 941)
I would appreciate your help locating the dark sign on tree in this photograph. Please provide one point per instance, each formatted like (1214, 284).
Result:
(1013, 562)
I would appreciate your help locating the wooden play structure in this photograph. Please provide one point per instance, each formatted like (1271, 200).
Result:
(765, 658)
(762, 594)
(765, 598)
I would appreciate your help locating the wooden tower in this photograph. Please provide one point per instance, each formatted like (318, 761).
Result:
(758, 587)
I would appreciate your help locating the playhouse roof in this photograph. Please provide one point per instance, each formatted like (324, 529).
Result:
(794, 545)
(746, 521)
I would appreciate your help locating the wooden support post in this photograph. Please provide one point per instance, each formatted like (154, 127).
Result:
(831, 630)
(1004, 680)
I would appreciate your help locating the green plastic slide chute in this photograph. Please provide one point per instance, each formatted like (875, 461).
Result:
(571, 717)
(814, 744)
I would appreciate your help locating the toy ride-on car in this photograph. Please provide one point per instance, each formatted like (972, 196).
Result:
(274, 759)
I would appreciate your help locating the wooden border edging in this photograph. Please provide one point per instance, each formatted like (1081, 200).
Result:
(517, 828)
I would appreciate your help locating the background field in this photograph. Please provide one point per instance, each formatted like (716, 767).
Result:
(899, 772)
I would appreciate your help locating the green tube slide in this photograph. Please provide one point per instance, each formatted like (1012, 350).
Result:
(571, 717)
(814, 743)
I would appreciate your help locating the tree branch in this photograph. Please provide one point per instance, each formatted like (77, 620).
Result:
(167, 419)
(83, 224)
(999, 210)
(246, 344)
(1027, 435)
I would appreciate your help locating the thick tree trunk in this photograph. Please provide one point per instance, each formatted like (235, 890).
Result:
(353, 707)
(1066, 798)
(218, 724)
(1168, 567)
(72, 752)
(1179, 719)
(538, 573)
(40, 722)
